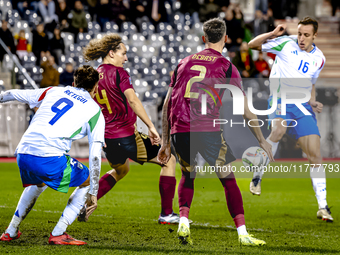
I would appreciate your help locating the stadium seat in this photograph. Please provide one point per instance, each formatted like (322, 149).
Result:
(12, 16)
(156, 40)
(179, 18)
(110, 27)
(137, 40)
(21, 24)
(147, 29)
(164, 29)
(128, 29)
(68, 39)
(93, 29)
(83, 39)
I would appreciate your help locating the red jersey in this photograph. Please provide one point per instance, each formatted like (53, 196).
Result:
(119, 117)
(194, 76)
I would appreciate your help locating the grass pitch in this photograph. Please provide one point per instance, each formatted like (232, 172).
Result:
(126, 219)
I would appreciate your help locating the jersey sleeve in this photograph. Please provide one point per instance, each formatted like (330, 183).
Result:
(125, 81)
(32, 97)
(276, 45)
(96, 128)
(317, 73)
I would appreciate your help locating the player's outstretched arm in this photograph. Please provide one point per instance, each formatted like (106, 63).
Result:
(138, 108)
(32, 97)
(164, 153)
(256, 43)
(256, 130)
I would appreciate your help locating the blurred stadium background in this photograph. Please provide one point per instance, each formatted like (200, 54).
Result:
(36, 58)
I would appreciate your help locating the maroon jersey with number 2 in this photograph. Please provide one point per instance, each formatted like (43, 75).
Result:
(119, 117)
(194, 76)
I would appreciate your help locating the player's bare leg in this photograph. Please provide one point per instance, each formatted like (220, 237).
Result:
(27, 200)
(74, 205)
(278, 130)
(311, 146)
(235, 206)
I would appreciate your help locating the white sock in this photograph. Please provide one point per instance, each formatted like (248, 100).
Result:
(73, 207)
(185, 221)
(241, 230)
(27, 200)
(274, 149)
(319, 185)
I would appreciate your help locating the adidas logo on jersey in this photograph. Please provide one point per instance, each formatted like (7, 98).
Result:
(295, 52)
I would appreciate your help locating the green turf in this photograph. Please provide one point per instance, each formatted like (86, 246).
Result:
(126, 219)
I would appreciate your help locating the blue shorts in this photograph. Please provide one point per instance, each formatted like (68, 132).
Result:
(305, 124)
(58, 173)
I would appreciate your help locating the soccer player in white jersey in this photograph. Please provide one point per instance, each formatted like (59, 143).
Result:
(297, 65)
(65, 114)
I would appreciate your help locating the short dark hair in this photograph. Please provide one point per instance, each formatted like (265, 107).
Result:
(310, 21)
(214, 30)
(86, 77)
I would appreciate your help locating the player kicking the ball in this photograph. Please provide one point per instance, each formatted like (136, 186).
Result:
(64, 114)
(120, 107)
(193, 132)
(296, 58)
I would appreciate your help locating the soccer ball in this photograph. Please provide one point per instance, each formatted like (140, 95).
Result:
(254, 157)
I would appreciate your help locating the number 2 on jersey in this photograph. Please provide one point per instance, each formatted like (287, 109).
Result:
(198, 78)
(104, 100)
(305, 67)
(62, 111)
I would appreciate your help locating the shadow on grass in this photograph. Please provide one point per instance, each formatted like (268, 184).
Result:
(308, 250)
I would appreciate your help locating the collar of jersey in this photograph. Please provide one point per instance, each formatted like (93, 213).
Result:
(312, 51)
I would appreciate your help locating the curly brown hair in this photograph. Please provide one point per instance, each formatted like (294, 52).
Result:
(86, 77)
(99, 48)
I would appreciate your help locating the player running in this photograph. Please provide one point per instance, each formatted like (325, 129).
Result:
(120, 107)
(64, 115)
(296, 58)
(193, 132)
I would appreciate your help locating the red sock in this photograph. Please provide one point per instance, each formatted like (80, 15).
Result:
(106, 183)
(185, 193)
(167, 187)
(234, 199)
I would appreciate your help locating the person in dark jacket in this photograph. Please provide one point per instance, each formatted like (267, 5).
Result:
(63, 12)
(57, 45)
(40, 43)
(66, 77)
(7, 37)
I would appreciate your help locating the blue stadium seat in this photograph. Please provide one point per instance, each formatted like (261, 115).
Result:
(110, 27)
(93, 29)
(147, 29)
(12, 16)
(128, 29)
(83, 39)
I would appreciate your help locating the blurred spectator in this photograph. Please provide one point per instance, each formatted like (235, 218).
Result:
(78, 21)
(57, 45)
(261, 5)
(118, 11)
(156, 11)
(50, 74)
(189, 6)
(289, 8)
(335, 5)
(235, 31)
(103, 12)
(136, 11)
(209, 10)
(47, 11)
(27, 5)
(92, 4)
(244, 62)
(223, 4)
(7, 37)
(262, 66)
(66, 77)
(259, 25)
(40, 42)
(63, 11)
(270, 20)
(22, 44)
